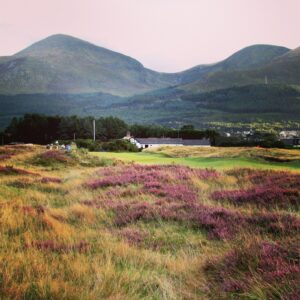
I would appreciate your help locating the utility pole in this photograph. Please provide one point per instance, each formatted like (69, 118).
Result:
(94, 129)
(266, 79)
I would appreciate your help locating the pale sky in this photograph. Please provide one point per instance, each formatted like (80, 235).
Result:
(164, 35)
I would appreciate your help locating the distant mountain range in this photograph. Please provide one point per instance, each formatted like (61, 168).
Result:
(63, 74)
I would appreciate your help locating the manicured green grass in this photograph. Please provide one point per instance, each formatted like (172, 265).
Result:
(199, 162)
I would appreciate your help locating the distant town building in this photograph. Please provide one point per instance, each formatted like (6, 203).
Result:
(289, 134)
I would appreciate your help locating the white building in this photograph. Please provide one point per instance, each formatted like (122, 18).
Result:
(289, 134)
(143, 143)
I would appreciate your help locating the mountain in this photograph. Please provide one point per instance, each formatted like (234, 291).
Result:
(246, 59)
(64, 64)
(282, 69)
(65, 75)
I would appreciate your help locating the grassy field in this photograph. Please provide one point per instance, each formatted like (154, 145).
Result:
(219, 158)
(77, 226)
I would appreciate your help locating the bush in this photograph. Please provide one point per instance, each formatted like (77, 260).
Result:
(119, 146)
(89, 144)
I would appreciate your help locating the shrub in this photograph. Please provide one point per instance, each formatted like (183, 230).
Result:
(119, 146)
(88, 144)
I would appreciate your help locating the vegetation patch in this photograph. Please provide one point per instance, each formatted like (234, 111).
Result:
(271, 196)
(11, 170)
(52, 246)
(5, 157)
(53, 158)
(261, 269)
(118, 230)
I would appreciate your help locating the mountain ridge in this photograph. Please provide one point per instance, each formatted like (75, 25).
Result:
(65, 75)
(65, 64)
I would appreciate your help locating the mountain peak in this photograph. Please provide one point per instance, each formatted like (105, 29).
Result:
(254, 56)
(64, 64)
(56, 41)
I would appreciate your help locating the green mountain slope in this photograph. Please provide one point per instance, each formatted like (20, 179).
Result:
(63, 64)
(246, 59)
(284, 69)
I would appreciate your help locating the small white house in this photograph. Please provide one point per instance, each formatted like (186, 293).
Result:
(143, 143)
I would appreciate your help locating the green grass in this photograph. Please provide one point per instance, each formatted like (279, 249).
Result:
(199, 162)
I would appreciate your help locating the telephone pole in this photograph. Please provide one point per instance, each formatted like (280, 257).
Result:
(94, 129)
(266, 80)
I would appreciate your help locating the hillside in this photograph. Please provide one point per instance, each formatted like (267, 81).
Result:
(64, 64)
(283, 69)
(171, 106)
(245, 59)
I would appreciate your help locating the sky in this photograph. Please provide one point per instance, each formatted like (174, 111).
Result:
(164, 35)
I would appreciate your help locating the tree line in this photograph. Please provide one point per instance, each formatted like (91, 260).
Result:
(43, 129)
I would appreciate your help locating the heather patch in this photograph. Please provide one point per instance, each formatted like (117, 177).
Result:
(51, 179)
(219, 223)
(137, 174)
(267, 263)
(51, 246)
(8, 150)
(274, 224)
(269, 189)
(262, 197)
(133, 236)
(272, 179)
(53, 158)
(34, 210)
(4, 157)
(124, 193)
(267, 177)
(165, 237)
(11, 170)
(22, 183)
(173, 192)
(177, 200)
(147, 232)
